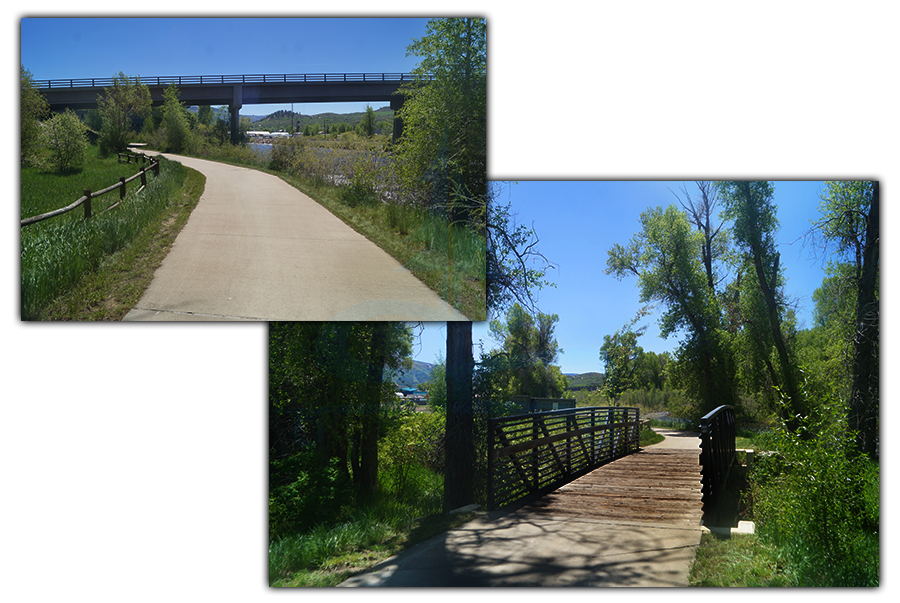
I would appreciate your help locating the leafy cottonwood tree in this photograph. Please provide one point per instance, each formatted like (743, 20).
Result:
(750, 207)
(665, 256)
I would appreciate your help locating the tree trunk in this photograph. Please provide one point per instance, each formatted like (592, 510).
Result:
(459, 473)
(371, 411)
(768, 291)
(864, 402)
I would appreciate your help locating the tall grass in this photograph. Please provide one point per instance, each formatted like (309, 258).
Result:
(816, 502)
(56, 253)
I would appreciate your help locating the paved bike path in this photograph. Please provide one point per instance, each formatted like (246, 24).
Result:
(255, 248)
(518, 548)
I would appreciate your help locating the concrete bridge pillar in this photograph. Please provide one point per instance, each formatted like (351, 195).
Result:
(235, 107)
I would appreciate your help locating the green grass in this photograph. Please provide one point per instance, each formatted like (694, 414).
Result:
(77, 269)
(741, 560)
(328, 556)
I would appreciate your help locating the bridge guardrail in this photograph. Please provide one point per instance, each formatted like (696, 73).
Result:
(232, 79)
(537, 452)
(717, 452)
(89, 195)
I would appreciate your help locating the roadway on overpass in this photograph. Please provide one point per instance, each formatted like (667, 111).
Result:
(528, 546)
(255, 248)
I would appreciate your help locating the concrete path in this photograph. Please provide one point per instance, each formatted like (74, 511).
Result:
(256, 248)
(518, 548)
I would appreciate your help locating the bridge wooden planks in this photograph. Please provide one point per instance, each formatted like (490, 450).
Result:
(650, 486)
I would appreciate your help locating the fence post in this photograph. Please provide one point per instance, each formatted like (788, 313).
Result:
(156, 167)
(87, 203)
(122, 188)
(143, 176)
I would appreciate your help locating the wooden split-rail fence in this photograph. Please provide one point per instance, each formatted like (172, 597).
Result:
(537, 452)
(121, 186)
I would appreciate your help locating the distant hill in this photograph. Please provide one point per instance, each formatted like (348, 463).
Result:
(584, 380)
(420, 374)
(282, 120)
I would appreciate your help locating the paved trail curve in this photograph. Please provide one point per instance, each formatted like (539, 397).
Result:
(255, 248)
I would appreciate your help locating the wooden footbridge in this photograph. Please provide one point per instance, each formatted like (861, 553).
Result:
(587, 462)
(576, 502)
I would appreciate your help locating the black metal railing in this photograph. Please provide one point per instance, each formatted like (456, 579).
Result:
(184, 80)
(538, 452)
(717, 430)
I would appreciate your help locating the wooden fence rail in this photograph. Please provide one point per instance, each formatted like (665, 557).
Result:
(717, 432)
(537, 452)
(90, 195)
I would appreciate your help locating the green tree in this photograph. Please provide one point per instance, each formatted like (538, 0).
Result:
(752, 210)
(175, 121)
(619, 356)
(119, 104)
(205, 115)
(64, 134)
(33, 109)
(666, 258)
(531, 348)
(327, 385)
(851, 221)
(368, 122)
(442, 155)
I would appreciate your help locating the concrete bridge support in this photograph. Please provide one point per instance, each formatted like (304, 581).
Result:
(235, 108)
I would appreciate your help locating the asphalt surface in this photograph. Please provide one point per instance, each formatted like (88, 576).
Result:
(515, 548)
(255, 248)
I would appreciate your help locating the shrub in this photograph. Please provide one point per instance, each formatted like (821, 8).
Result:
(66, 138)
(817, 501)
(305, 492)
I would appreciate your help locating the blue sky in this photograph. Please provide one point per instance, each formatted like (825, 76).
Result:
(64, 48)
(578, 221)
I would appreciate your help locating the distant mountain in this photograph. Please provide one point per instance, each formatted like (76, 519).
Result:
(584, 380)
(420, 374)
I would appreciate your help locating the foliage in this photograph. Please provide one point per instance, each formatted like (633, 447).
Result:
(442, 155)
(665, 256)
(816, 501)
(530, 350)
(327, 387)
(619, 357)
(64, 134)
(126, 99)
(750, 206)
(175, 122)
(305, 492)
(33, 108)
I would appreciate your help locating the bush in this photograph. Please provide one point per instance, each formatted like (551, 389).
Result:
(66, 138)
(817, 501)
(305, 492)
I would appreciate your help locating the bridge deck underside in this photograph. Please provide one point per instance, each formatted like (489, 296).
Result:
(650, 486)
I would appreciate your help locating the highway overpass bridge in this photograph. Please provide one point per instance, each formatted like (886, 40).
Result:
(239, 90)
